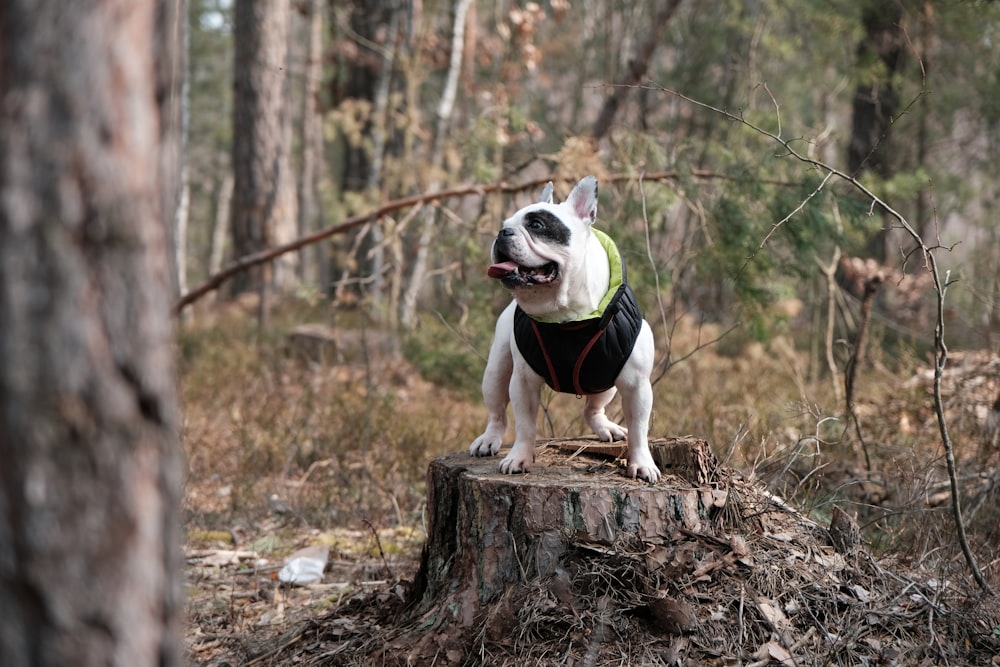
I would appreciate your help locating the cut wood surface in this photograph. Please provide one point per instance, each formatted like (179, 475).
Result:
(487, 530)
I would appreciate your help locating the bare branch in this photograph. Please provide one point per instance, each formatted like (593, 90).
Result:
(940, 289)
(216, 280)
(778, 224)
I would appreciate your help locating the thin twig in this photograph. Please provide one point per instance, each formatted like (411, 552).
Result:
(940, 289)
(378, 543)
(778, 225)
(857, 355)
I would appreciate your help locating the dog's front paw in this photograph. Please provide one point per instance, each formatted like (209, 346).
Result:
(517, 460)
(488, 444)
(642, 467)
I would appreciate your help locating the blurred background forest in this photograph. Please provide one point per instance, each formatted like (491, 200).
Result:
(371, 103)
(320, 384)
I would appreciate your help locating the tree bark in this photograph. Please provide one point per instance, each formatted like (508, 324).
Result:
(487, 530)
(312, 142)
(261, 203)
(880, 55)
(90, 480)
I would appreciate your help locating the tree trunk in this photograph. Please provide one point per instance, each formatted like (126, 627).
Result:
(90, 479)
(171, 97)
(418, 277)
(635, 72)
(487, 530)
(370, 75)
(260, 204)
(312, 142)
(876, 100)
(380, 129)
(223, 202)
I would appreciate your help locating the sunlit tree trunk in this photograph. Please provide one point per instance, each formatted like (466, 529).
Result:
(90, 470)
(223, 201)
(177, 95)
(171, 97)
(446, 105)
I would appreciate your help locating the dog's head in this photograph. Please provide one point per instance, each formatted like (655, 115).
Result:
(543, 245)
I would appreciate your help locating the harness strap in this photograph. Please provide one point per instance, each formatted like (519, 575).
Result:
(577, 365)
(545, 356)
(577, 387)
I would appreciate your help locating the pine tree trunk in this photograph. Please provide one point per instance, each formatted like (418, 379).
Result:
(876, 104)
(171, 97)
(260, 204)
(223, 206)
(90, 471)
(487, 530)
(312, 143)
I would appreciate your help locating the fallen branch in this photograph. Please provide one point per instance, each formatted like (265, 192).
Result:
(216, 280)
(249, 261)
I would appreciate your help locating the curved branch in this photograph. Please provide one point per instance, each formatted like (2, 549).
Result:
(249, 261)
(216, 280)
(940, 288)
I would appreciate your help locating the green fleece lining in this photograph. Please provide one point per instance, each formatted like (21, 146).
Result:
(617, 271)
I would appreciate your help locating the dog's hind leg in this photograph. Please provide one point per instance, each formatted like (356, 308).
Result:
(637, 404)
(594, 415)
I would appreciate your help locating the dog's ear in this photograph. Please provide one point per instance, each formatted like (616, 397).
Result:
(546, 196)
(583, 199)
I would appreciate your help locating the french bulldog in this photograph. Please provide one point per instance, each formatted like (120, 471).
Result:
(573, 324)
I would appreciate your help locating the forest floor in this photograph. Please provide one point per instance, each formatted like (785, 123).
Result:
(286, 453)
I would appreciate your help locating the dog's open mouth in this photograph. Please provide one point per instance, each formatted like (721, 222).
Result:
(512, 274)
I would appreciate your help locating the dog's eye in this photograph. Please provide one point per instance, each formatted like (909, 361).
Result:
(545, 225)
(534, 222)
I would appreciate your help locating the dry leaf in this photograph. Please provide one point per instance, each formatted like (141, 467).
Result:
(772, 614)
(776, 651)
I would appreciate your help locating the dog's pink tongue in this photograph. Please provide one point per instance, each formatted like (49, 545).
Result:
(502, 269)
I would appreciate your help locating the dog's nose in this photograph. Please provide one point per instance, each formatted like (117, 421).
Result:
(506, 231)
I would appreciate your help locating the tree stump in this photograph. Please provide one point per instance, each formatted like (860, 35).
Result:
(488, 531)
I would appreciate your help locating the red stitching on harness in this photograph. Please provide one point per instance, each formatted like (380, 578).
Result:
(545, 355)
(579, 362)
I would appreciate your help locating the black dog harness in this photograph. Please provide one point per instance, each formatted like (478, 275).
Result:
(584, 356)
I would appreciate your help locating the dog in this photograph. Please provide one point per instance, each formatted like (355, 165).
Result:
(573, 323)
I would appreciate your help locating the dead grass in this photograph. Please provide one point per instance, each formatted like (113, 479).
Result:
(267, 431)
(781, 595)
(283, 451)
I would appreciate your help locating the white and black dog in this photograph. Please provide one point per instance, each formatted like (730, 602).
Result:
(574, 324)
